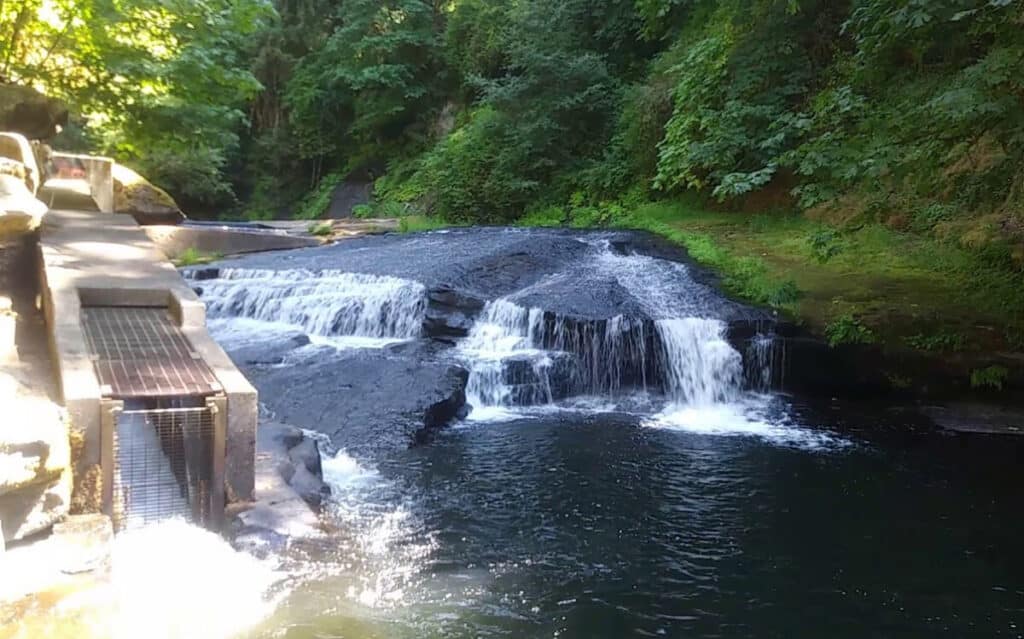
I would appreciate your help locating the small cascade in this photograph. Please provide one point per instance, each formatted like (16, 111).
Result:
(507, 368)
(699, 367)
(761, 360)
(324, 303)
(153, 488)
(520, 356)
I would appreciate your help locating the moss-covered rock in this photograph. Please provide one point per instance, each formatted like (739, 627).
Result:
(143, 200)
(26, 111)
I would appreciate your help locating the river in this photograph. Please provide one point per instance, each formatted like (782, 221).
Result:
(615, 454)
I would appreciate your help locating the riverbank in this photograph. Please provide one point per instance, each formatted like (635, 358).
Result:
(933, 315)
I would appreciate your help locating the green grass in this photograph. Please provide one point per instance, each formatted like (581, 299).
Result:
(992, 377)
(193, 257)
(416, 223)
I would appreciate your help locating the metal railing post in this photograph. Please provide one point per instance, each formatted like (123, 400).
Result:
(110, 410)
(218, 407)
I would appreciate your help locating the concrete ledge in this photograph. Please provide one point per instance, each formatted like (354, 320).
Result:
(175, 240)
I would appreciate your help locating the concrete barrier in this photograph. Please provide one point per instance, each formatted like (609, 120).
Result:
(97, 259)
(212, 240)
(99, 176)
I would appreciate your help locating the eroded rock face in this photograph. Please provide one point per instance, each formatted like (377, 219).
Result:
(34, 508)
(364, 400)
(30, 113)
(143, 200)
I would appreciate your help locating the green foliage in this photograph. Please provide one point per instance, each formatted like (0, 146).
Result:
(824, 245)
(417, 223)
(369, 79)
(993, 377)
(160, 83)
(847, 329)
(942, 341)
(549, 216)
(362, 211)
(316, 201)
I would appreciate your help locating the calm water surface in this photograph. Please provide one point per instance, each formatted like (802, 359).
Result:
(584, 525)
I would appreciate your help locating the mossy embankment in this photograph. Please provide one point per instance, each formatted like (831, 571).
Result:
(933, 316)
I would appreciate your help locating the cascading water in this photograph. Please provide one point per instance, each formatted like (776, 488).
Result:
(521, 356)
(698, 365)
(327, 303)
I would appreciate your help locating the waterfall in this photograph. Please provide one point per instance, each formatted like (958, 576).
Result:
(761, 357)
(323, 303)
(502, 340)
(698, 365)
(518, 356)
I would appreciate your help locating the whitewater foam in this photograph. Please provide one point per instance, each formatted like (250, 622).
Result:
(382, 542)
(752, 415)
(328, 303)
(175, 580)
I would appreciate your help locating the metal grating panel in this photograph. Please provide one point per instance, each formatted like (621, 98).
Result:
(139, 352)
(163, 466)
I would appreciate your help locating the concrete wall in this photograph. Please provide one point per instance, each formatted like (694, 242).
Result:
(99, 174)
(92, 258)
(175, 240)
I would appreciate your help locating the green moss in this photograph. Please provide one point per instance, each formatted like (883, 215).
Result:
(941, 341)
(545, 217)
(315, 203)
(320, 229)
(993, 377)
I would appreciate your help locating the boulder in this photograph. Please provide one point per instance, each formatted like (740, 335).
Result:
(18, 158)
(34, 448)
(146, 202)
(20, 211)
(30, 113)
(365, 401)
(34, 508)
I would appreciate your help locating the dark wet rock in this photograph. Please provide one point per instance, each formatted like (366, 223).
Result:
(976, 417)
(288, 455)
(348, 194)
(365, 400)
(202, 273)
(602, 297)
(450, 313)
(307, 454)
(538, 380)
(265, 354)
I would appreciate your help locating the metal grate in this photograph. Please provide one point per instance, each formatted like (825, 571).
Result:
(163, 466)
(140, 352)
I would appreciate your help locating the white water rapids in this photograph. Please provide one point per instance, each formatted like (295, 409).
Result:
(327, 303)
